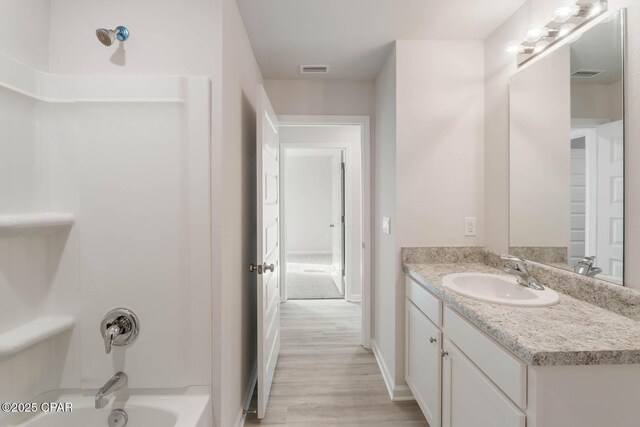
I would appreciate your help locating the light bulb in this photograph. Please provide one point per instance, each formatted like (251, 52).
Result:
(563, 13)
(534, 34)
(595, 10)
(513, 48)
(566, 29)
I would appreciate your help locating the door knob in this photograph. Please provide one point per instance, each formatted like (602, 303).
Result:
(444, 353)
(331, 225)
(432, 340)
(255, 268)
(271, 267)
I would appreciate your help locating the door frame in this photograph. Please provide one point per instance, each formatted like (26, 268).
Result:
(364, 123)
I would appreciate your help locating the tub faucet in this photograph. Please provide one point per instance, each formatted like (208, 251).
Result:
(116, 382)
(522, 274)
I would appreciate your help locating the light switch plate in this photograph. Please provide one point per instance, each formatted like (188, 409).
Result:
(386, 225)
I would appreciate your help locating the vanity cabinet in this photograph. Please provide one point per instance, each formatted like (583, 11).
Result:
(458, 376)
(463, 377)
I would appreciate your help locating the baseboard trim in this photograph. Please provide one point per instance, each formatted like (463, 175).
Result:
(354, 298)
(241, 418)
(397, 393)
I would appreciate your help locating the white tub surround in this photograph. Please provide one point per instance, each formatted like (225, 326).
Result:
(41, 222)
(33, 332)
(119, 168)
(540, 366)
(145, 408)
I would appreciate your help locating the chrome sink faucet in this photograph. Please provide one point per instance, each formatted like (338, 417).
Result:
(586, 268)
(522, 274)
(116, 382)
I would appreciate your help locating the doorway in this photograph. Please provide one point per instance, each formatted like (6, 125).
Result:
(315, 217)
(324, 208)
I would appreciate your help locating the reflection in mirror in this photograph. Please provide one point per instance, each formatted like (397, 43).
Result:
(567, 155)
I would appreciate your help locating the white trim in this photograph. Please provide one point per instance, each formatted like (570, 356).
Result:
(397, 393)
(248, 394)
(309, 253)
(365, 152)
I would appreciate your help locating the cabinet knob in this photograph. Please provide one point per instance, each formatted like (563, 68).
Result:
(444, 353)
(432, 340)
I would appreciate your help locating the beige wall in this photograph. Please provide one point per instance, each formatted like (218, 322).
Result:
(240, 77)
(385, 265)
(165, 37)
(440, 171)
(499, 67)
(429, 168)
(597, 101)
(24, 31)
(321, 97)
(540, 163)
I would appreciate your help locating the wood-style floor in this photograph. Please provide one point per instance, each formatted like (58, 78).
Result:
(324, 377)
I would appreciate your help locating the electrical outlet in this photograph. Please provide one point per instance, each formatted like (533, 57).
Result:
(470, 226)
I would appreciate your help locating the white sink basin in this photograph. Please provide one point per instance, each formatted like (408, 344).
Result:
(498, 289)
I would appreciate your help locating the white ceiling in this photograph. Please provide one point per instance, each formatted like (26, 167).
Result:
(354, 37)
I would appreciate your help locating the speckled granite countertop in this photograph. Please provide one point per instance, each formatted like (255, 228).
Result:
(572, 332)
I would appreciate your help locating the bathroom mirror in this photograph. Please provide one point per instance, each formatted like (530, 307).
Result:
(567, 155)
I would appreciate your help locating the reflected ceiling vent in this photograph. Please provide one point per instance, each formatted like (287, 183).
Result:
(586, 74)
(314, 69)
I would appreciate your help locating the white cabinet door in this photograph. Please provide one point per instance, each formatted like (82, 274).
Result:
(470, 399)
(423, 362)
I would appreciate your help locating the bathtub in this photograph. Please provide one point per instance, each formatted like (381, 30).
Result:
(144, 409)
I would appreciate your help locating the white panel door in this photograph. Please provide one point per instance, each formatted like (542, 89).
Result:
(267, 266)
(609, 250)
(337, 220)
(423, 360)
(471, 399)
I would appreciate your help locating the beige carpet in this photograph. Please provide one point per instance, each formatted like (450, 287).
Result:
(309, 277)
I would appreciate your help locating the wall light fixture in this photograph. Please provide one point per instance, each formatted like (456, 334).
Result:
(566, 19)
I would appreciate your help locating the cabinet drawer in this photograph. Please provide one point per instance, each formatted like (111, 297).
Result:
(424, 300)
(505, 370)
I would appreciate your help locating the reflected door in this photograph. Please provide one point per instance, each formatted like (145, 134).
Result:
(610, 231)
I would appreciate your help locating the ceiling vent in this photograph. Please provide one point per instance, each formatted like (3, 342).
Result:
(314, 69)
(586, 74)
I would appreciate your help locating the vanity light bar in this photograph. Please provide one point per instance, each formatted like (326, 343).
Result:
(566, 20)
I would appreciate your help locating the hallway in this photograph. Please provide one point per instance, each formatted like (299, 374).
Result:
(324, 377)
